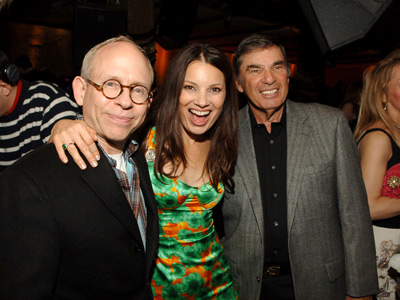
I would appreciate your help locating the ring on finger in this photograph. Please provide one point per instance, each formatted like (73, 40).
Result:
(65, 146)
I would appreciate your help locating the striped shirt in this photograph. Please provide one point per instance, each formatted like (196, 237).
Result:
(37, 107)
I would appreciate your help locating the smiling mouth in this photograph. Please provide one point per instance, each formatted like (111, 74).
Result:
(199, 113)
(121, 119)
(269, 92)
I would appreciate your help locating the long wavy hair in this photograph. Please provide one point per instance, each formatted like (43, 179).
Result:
(223, 134)
(375, 87)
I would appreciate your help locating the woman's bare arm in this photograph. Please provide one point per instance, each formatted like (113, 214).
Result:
(375, 151)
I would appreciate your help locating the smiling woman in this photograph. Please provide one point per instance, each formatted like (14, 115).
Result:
(202, 98)
(199, 85)
(195, 145)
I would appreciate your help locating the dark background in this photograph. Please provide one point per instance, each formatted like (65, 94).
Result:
(329, 42)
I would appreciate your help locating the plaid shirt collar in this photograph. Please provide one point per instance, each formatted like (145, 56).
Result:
(130, 185)
(129, 150)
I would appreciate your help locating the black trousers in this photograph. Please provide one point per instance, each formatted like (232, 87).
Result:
(277, 288)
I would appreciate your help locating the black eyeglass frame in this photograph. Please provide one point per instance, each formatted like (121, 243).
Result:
(99, 87)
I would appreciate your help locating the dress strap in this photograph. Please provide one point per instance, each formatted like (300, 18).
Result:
(375, 129)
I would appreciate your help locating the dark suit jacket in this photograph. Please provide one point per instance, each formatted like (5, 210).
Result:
(331, 246)
(70, 234)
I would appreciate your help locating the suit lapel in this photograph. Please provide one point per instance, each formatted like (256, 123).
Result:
(247, 167)
(103, 182)
(152, 216)
(145, 183)
(298, 139)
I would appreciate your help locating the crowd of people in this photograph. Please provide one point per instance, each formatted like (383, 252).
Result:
(187, 196)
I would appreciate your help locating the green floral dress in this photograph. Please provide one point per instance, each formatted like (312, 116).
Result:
(191, 263)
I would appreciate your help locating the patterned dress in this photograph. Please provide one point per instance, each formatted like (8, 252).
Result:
(191, 263)
(387, 231)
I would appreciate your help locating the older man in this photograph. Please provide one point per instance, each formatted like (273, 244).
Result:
(298, 225)
(69, 234)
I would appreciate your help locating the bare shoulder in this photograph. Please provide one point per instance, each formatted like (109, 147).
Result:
(376, 143)
(379, 134)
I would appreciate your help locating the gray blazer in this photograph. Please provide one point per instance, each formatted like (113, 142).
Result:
(331, 246)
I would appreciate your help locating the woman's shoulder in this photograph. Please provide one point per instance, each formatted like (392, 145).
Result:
(378, 130)
(377, 138)
(376, 147)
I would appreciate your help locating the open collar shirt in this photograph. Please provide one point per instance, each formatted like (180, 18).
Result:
(130, 184)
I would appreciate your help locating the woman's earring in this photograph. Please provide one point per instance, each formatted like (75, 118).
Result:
(384, 106)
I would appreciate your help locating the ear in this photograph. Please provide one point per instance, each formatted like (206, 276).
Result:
(384, 100)
(149, 102)
(5, 88)
(238, 86)
(79, 87)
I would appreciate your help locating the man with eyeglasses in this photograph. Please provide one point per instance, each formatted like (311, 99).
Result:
(72, 234)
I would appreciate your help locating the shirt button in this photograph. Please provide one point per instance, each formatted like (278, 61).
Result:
(276, 224)
(271, 141)
(275, 195)
(273, 167)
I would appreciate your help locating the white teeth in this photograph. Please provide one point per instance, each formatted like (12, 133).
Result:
(269, 92)
(199, 113)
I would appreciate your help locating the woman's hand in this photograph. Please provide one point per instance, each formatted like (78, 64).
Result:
(77, 134)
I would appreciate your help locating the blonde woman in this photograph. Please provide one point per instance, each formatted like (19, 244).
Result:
(378, 135)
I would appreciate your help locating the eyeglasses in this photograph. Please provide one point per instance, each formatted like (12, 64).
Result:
(112, 88)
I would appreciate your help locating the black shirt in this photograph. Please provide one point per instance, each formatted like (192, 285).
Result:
(270, 150)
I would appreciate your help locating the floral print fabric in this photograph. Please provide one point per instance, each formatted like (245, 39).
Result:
(191, 263)
(387, 243)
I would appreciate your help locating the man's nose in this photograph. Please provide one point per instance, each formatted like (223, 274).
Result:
(124, 100)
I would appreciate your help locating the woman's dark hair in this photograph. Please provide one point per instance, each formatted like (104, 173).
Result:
(223, 134)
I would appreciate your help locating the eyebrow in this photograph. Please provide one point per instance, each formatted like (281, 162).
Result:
(260, 66)
(131, 84)
(255, 66)
(278, 62)
(196, 84)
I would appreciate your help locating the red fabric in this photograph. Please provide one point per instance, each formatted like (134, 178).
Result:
(391, 182)
(19, 88)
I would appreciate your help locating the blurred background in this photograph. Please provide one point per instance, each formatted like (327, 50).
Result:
(330, 43)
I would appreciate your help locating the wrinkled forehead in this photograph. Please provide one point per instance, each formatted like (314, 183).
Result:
(262, 56)
(123, 61)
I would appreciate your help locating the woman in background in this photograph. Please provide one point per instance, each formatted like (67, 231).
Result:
(191, 154)
(351, 103)
(378, 135)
